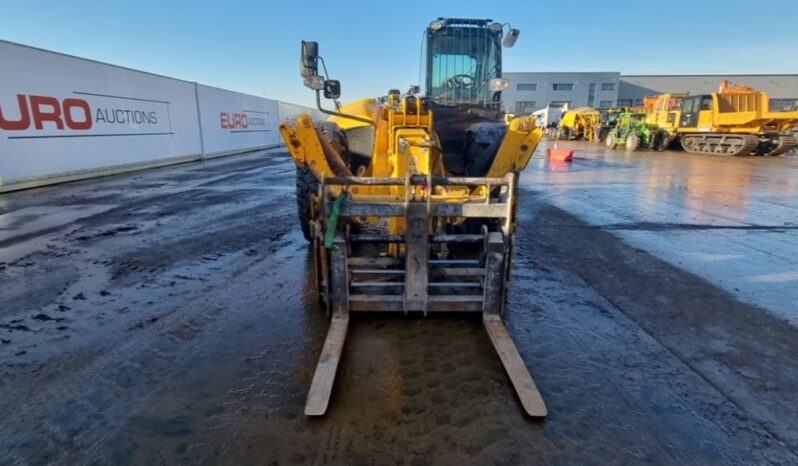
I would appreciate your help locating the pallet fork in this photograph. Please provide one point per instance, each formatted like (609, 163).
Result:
(426, 269)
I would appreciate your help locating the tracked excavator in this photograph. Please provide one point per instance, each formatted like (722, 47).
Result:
(409, 200)
(736, 120)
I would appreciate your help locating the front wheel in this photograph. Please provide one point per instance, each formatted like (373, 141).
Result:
(633, 141)
(307, 186)
(610, 142)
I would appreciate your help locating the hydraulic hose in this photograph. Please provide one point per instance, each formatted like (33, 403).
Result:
(332, 223)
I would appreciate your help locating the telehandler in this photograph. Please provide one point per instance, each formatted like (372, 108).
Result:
(410, 200)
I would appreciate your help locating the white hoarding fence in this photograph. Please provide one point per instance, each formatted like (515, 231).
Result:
(64, 118)
(61, 115)
(290, 112)
(232, 121)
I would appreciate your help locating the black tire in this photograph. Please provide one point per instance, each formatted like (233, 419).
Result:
(633, 141)
(565, 133)
(652, 140)
(307, 186)
(602, 134)
(662, 141)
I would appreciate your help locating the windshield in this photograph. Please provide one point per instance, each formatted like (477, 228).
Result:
(460, 62)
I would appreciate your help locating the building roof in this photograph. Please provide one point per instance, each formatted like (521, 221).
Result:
(778, 86)
(561, 72)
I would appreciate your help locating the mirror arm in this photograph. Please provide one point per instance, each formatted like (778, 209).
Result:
(339, 114)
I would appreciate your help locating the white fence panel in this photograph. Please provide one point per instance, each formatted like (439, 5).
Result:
(290, 112)
(62, 116)
(234, 122)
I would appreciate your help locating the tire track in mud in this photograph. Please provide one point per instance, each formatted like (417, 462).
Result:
(220, 376)
(250, 376)
(432, 391)
(62, 406)
(694, 321)
(86, 407)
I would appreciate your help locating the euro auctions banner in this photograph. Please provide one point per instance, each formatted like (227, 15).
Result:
(232, 121)
(61, 114)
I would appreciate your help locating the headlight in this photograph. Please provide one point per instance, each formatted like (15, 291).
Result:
(498, 84)
(435, 25)
(314, 82)
(495, 27)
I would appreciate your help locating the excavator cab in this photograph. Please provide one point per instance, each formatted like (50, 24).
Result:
(691, 109)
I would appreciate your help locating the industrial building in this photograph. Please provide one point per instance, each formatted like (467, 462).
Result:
(782, 88)
(533, 91)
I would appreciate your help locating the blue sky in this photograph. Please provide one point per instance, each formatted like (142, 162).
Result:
(371, 46)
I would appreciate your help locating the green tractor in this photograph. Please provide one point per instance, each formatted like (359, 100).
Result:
(631, 131)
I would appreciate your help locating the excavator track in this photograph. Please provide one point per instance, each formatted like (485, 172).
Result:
(784, 144)
(720, 143)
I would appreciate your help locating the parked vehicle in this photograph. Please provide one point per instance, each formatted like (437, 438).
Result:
(580, 123)
(736, 120)
(632, 131)
(409, 200)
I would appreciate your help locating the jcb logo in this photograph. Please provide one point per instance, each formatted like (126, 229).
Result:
(39, 109)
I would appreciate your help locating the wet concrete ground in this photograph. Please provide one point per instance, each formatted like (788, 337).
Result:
(733, 222)
(165, 317)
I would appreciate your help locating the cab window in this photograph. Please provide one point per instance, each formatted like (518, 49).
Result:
(688, 105)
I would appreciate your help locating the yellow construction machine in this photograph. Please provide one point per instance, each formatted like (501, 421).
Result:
(736, 120)
(580, 123)
(409, 200)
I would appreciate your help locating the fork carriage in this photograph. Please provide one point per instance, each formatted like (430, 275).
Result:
(454, 256)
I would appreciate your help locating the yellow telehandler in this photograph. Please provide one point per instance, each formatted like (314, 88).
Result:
(410, 200)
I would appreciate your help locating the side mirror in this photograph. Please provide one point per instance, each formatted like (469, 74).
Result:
(332, 89)
(309, 61)
(512, 36)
